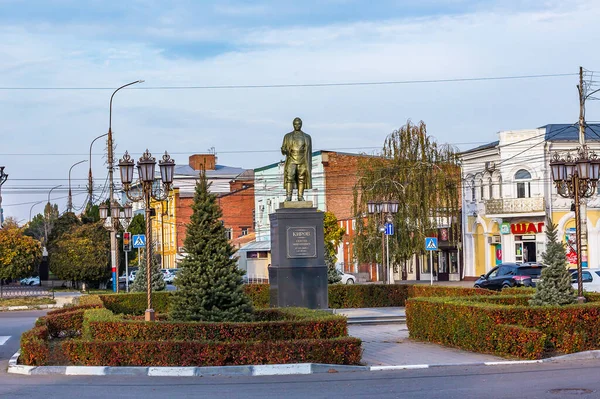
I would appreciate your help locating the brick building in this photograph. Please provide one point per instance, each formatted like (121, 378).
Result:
(234, 188)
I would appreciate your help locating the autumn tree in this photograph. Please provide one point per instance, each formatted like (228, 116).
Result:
(424, 177)
(50, 215)
(20, 255)
(333, 234)
(82, 254)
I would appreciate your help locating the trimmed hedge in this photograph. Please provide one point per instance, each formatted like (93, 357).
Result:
(183, 353)
(66, 324)
(103, 326)
(34, 347)
(136, 303)
(423, 290)
(468, 326)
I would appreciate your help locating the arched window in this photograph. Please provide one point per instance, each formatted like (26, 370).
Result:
(480, 183)
(523, 179)
(490, 188)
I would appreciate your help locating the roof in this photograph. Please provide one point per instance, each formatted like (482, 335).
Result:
(566, 132)
(257, 246)
(315, 153)
(483, 147)
(219, 171)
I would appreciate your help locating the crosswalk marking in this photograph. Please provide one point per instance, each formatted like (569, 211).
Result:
(3, 339)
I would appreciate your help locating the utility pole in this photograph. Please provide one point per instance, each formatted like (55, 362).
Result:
(3, 178)
(583, 252)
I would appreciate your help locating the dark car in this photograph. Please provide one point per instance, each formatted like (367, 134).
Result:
(509, 275)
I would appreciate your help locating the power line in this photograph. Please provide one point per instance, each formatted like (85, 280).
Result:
(295, 85)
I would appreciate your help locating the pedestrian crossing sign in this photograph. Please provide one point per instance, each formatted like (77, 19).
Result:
(139, 241)
(431, 243)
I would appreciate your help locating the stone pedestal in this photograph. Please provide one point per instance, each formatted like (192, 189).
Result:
(298, 274)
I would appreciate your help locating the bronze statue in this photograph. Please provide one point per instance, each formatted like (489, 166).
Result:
(297, 147)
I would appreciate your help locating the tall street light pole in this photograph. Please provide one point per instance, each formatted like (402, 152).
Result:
(47, 215)
(90, 179)
(31, 209)
(385, 211)
(3, 178)
(70, 199)
(114, 223)
(146, 167)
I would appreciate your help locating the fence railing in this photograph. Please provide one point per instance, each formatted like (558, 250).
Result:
(16, 291)
(256, 279)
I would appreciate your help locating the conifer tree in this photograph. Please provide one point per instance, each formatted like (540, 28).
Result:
(140, 283)
(554, 287)
(209, 283)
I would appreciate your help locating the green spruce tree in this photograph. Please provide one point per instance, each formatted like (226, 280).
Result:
(554, 287)
(209, 283)
(140, 283)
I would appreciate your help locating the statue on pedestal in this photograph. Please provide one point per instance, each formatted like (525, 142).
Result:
(297, 147)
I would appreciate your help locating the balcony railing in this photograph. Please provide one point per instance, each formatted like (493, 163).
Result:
(514, 205)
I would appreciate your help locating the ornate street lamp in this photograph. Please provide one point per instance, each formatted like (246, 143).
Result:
(576, 178)
(118, 216)
(385, 211)
(146, 167)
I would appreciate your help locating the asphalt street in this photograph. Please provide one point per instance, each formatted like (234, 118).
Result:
(12, 325)
(536, 381)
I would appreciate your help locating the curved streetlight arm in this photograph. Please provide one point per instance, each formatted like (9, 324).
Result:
(49, 192)
(75, 164)
(111, 100)
(31, 209)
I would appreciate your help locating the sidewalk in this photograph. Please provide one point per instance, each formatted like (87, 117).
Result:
(389, 345)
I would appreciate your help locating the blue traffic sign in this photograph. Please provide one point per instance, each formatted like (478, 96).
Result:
(389, 229)
(431, 243)
(139, 241)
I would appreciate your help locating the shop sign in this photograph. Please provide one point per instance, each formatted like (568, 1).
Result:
(526, 228)
(505, 228)
(443, 234)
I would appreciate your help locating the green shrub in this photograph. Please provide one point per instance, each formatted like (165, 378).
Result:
(34, 347)
(423, 290)
(345, 350)
(294, 324)
(367, 295)
(90, 300)
(259, 295)
(136, 303)
(96, 315)
(65, 324)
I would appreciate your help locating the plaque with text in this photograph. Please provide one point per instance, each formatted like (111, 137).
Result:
(301, 242)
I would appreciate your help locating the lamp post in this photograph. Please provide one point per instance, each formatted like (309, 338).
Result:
(111, 190)
(70, 198)
(117, 217)
(90, 179)
(385, 211)
(3, 178)
(47, 216)
(576, 178)
(146, 166)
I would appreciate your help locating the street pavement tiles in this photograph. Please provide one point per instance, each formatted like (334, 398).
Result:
(3, 339)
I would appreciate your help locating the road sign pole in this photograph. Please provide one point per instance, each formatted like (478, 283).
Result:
(431, 266)
(126, 272)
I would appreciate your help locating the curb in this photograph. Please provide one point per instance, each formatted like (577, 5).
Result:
(258, 370)
(34, 307)
(243, 371)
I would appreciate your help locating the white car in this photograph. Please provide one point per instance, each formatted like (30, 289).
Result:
(346, 278)
(590, 279)
(132, 276)
(30, 281)
(168, 276)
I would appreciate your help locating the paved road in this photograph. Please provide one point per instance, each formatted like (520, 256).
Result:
(12, 325)
(514, 382)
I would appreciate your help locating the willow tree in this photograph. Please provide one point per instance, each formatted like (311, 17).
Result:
(424, 177)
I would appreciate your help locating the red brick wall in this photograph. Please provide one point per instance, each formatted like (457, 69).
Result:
(340, 178)
(237, 210)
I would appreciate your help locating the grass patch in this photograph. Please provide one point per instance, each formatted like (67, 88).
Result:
(27, 301)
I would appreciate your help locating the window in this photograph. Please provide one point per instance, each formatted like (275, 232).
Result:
(490, 188)
(522, 178)
(244, 231)
(229, 233)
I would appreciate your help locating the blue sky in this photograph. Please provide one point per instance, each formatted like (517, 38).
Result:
(104, 44)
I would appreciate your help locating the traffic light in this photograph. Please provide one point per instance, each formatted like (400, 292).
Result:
(126, 241)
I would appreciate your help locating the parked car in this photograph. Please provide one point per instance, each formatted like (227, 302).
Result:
(346, 278)
(508, 275)
(30, 281)
(168, 276)
(590, 279)
(132, 276)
